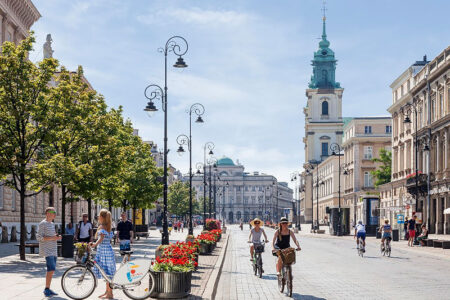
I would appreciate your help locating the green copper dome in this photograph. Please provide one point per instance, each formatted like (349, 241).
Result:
(324, 65)
(225, 161)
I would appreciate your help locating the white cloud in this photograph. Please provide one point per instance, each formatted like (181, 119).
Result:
(197, 16)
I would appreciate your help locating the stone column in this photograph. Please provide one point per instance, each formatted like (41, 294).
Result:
(447, 217)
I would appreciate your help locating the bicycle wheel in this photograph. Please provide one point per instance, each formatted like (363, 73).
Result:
(260, 269)
(78, 282)
(255, 266)
(281, 280)
(289, 281)
(143, 290)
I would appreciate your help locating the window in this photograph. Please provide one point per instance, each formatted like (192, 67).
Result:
(367, 179)
(368, 152)
(324, 149)
(388, 129)
(408, 85)
(325, 108)
(367, 129)
(401, 91)
(253, 188)
(441, 105)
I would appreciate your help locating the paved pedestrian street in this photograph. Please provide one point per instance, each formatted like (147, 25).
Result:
(329, 268)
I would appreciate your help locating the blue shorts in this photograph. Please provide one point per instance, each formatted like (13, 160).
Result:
(51, 263)
(362, 235)
(387, 235)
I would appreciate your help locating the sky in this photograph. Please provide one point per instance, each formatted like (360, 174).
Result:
(249, 64)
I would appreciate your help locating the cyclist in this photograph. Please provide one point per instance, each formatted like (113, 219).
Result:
(387, 232)
(281, 240)
(360, 232)
(255, 235)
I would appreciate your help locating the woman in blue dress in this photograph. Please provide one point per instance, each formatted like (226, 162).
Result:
(105, 253)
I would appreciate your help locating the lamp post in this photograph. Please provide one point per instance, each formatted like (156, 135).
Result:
(208, 146)
(409, 107)
(182, 139)
(294, 177)
(211, 162)
(309, 171)
(336, 150)
(157, 93)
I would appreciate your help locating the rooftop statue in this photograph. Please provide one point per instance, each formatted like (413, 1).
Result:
(48, 51)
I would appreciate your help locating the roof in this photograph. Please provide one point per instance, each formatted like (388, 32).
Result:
(225, 161)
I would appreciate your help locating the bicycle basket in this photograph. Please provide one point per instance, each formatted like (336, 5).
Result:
(81, 257)
(287, 256)
(259, 248)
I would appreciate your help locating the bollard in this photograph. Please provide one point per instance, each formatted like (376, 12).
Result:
(13, 234)
(33, 233)
(4, 234)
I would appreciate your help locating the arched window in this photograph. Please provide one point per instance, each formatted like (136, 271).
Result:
(325, 108)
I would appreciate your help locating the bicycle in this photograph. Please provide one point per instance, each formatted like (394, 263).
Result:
(132, 277)
(360, 247)
(258, 248)
(386, 247)
(285, 278)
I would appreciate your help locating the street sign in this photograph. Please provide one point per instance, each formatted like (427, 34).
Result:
(400, 219)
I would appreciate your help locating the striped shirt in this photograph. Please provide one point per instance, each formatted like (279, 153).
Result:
(46, 248)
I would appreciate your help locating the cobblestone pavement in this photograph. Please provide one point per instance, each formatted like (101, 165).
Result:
(25, 279)
(329, 268)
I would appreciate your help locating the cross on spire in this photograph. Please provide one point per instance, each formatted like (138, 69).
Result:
(324, 9)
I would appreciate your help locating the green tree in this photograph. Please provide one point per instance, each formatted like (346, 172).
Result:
(382, 174)
(28, 117)
(79, 114)
(199, 206)
(178, 198)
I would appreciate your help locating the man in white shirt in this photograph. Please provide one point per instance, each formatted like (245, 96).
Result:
(84, 230)
(360, 232)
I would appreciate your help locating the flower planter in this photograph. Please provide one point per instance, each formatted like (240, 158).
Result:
(171, 285)
(205, 248)
(158, 252)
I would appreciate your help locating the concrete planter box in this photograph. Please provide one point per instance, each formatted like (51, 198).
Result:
(171, 285)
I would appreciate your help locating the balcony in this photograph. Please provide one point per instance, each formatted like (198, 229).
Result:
(421, 183)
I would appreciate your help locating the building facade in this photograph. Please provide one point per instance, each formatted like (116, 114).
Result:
(323, 116)
(421, 110)
(16, 19)
(241, 196)
(363, 139)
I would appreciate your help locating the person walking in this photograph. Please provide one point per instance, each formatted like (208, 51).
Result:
(105, 253)
(182, 226)
(48, 238)
(405, 228)
(412, 230)
(84, 231)
(125, 232)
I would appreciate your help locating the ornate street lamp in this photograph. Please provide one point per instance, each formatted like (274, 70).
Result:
(197, 109)
(155, 92)
(336, 151)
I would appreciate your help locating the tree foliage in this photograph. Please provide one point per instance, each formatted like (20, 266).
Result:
(28, 117)
(382, 174)
(178, 198)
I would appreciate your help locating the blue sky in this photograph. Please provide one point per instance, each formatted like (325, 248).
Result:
(249, 63)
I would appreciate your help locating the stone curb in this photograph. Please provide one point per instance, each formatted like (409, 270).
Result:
(213, 281)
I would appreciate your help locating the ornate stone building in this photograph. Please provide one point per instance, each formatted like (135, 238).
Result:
(421, 96)
(16, 19)
(244, 196)
(364, 137)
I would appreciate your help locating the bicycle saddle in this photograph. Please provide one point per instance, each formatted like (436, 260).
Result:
(122, 252)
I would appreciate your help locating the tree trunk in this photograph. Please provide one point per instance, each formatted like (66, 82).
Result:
(134, 219)
(124, 205)
(109, 205)
(89, 201)
(23, 228)
(63, 209)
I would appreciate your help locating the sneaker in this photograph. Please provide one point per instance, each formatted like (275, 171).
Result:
(52, 292)
(47, 293)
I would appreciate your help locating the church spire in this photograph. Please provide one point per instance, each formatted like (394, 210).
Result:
(324, 63)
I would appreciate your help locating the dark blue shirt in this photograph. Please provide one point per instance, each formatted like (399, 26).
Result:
(412, 224)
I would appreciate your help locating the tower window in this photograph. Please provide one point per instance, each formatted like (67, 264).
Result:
(324, 149)
(367, 129)
(325, 108)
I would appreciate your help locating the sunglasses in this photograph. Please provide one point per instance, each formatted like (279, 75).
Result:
(52, 211)
(256, 222)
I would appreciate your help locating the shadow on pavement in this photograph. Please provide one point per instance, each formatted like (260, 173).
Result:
(269, 277)
(305, 297)
(398, 257)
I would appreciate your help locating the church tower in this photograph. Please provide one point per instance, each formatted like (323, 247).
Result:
(323, 111)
